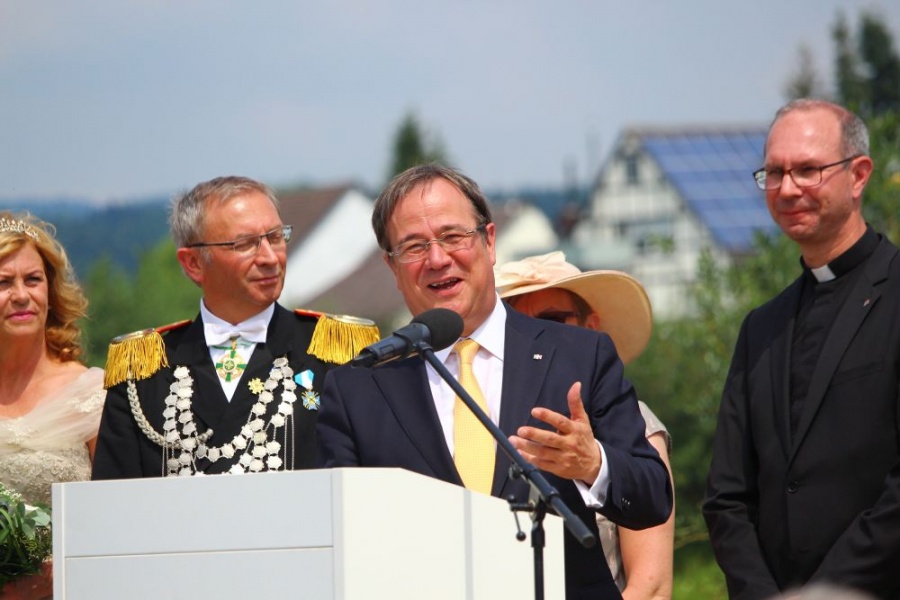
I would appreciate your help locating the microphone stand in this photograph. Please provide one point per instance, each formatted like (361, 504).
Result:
(542, 493)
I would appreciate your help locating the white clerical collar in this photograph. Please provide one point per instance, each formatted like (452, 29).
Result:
(823, 274)
(257, 323)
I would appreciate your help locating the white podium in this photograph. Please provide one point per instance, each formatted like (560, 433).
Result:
(346, 534)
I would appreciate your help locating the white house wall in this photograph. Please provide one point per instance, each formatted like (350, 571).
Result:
(331, 251)
(528, 232)
(620, 201)
(633, 214)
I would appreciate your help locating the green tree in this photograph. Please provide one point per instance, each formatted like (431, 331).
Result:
(805, 82)
(108, 289)
(880, 199)
(867, 67)
(163, 293)
(159, 294)
(412, 145)
(876, 47)
(849, 81)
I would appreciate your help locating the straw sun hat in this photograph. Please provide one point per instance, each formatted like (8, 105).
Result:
(619, 300)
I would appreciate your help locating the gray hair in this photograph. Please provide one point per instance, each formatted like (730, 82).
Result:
(854, 134)
(404, 183)
(188, 218)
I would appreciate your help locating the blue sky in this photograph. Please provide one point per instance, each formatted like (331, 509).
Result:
(114, 100)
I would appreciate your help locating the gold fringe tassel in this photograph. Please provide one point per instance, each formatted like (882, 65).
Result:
(338, 338)
(135, 355)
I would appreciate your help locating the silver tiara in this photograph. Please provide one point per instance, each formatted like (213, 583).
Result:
(18, 226)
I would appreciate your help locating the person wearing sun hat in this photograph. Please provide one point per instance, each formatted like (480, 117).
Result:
(548, 287)
(618, 303)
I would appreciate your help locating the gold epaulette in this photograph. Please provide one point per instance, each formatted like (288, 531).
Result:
(338, 338)
(137, 355)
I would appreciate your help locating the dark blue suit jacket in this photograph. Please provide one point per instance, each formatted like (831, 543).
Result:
(386, 417)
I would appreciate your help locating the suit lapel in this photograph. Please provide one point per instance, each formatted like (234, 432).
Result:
(850, 317)
(209, 401)
(526, 362)
(404, 386)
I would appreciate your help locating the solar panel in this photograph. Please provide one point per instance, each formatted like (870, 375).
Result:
(712, 173)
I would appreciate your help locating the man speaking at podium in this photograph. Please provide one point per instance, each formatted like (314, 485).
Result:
(557, 391)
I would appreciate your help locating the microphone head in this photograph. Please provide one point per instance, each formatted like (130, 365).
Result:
(445, 326)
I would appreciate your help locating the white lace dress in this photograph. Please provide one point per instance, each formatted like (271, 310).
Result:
(609, 532)
(48, 445)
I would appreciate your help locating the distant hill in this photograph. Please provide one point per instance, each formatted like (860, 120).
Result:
(67, 207)
(89, 232)
(123, 232)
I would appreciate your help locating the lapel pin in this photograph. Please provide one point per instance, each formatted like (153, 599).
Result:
(538, 356)
(866, 302)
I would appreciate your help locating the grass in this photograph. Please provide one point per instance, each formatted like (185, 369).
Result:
(697, 576)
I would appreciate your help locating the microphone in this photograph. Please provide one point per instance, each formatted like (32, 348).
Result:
(438, 327)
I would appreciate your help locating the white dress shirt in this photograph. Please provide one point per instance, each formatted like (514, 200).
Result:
(246, 343)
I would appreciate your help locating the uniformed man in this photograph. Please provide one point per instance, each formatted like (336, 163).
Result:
(236, 389)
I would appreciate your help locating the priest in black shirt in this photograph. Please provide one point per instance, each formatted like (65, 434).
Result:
(805, 479)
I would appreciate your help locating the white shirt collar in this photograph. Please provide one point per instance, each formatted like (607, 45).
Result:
(490, 335)
(823, 274)
(258, 323)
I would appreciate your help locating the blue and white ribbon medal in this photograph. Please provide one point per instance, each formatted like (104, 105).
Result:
(310, 398)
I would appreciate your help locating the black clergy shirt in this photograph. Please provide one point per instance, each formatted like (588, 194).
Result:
(823, 294)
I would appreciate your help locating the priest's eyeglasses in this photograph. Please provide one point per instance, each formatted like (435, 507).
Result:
(452, 241)
(249, 244)
(803, 177)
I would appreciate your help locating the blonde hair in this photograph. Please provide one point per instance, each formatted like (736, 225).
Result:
(66, 301)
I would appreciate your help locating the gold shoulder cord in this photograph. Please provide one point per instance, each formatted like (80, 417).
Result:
(338, 338)
(136, 355)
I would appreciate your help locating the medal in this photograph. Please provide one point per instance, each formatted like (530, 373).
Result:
(257, 386)
(230, 364)
(309, 396)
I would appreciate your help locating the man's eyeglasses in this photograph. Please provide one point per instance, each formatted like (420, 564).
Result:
(558, 316)
(249, 244)
(451, 241)
(803, 177)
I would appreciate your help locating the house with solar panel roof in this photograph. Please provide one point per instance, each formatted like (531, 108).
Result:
(664, 195)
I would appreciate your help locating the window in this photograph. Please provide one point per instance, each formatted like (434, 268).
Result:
(632, 173)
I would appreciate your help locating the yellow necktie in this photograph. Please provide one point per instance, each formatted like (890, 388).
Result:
(472, 442)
